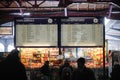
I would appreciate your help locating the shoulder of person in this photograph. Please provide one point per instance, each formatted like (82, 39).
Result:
(89, 69)
(75, 70)
(66, 68)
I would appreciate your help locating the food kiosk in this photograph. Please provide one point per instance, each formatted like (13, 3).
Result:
(52, 39)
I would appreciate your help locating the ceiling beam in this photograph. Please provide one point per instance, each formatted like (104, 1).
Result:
(115, 29)
(115, 36)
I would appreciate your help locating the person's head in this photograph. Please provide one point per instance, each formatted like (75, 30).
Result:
(66, 62)
(14, 54)
(46, 63)
(81, 62)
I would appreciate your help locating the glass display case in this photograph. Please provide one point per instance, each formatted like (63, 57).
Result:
(35, 57)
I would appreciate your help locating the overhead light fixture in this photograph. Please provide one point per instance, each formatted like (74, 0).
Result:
(22, 14)
(116, 12)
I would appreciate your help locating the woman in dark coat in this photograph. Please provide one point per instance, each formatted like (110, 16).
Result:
(11, 68)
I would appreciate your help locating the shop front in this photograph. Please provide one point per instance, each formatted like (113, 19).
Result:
(34, 58)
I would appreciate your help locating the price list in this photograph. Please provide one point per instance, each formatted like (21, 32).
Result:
(82, 35)
(36, 35)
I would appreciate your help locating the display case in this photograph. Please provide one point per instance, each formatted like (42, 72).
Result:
(35, 57)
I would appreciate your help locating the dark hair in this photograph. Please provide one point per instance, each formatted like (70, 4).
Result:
(66, 63)
(14, 51)
(46, 62)
(13, 54)
(81, 60)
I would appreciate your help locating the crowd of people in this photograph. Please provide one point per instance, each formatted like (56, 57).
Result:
(67, 72)
(13, 69)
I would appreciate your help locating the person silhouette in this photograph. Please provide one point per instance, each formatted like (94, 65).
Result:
(82, 72)
(12, 68)
(45, 70)
(115, 74)
(65, 71)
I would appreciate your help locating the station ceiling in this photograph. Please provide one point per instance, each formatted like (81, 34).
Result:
(9, 9)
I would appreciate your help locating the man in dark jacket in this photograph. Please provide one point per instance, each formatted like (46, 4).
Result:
(45, 70)
(82, 72)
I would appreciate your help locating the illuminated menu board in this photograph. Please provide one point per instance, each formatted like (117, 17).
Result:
(81, 35)
(36, 35)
